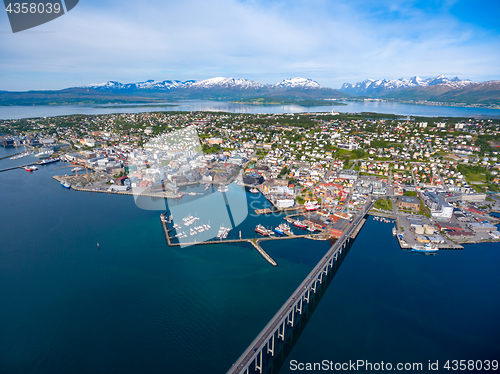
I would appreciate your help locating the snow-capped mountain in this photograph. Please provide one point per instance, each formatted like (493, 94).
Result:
(298, 83)
(212, 83)
(221, 82)
(370, 87)
(146, 85)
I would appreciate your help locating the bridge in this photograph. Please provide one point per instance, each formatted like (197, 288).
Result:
(265, 344)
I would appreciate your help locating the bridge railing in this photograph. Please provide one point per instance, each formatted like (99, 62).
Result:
(251, 354)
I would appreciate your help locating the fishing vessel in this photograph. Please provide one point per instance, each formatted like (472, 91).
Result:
(427, 248)
(311, 205)
(30, 168)
(66, 184)
(394, 231)
(283, 229)
(262, 230)
(299, 224)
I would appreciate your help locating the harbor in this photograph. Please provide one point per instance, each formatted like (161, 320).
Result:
(254, 242)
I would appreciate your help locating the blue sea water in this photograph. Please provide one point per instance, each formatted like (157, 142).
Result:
(30, 111)
(136, 305)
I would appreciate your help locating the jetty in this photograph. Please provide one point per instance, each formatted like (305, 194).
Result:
(253, 242)
(263, 211)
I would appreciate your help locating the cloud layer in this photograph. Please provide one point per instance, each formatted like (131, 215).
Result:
(329, 41)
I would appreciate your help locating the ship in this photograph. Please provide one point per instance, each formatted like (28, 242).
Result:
(311, 205)
(394, 231)
(299, 224)
(66, 184)
(283, 229)
(48, 161)
(262, 230)
(30, 168)
(254, 190)
(427, 248)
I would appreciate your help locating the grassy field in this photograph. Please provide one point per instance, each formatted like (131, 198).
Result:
(384, 204)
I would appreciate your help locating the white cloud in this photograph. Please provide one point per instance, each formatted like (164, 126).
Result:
(328, 41)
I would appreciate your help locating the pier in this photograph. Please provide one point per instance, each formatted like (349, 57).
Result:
(265, 344)
(263, 211)
(253, 242)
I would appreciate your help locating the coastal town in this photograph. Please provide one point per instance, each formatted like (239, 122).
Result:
(434, 179)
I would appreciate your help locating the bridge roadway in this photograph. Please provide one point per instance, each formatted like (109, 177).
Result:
(286, 314)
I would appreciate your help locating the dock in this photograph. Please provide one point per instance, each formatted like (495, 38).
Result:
(262, 252)
(253, 242)
(263, 211)
(356, 231)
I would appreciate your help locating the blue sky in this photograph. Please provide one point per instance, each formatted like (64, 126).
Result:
(330, 41)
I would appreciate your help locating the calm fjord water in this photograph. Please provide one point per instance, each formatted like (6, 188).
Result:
(16, 111)
(138, 306)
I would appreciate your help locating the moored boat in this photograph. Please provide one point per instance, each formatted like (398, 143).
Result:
(66, 184)
(299, 224)
(427, 248)
(48, 161)
(311, 205)
(261, 230)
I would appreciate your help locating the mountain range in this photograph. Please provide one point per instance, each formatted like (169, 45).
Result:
(208, 84)
(377, 88)
(220, 88)
(439, 89)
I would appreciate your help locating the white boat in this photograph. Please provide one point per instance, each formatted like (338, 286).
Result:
(66, 184)
(311, 205)
(223, 231)
(48, 161)
(427, 248)
(30, 168)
